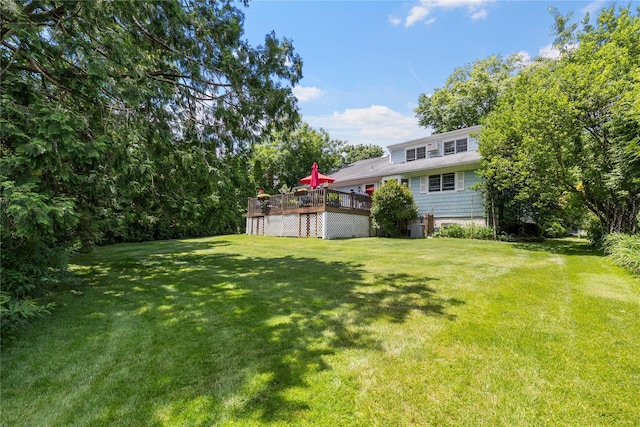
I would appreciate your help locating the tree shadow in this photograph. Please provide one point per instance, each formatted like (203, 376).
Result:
(567, 246)
(256, 327)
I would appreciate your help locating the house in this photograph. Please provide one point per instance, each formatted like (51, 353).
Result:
(439, 169)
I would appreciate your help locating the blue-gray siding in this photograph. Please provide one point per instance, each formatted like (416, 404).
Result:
(450, 204)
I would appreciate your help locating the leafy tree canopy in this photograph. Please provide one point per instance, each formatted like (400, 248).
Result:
(353, 153)
(469, 94)
(570, 128)
(284, 157)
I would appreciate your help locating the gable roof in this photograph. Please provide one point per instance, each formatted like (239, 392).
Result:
(363, 170)
(436, 137)
(378, 168)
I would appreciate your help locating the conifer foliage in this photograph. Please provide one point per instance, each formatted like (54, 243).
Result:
(126, 121)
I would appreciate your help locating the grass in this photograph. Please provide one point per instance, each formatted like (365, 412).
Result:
(241, 331)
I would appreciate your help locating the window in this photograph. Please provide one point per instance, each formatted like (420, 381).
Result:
(449, 147)
(448, 182)
(457, 146)
(445, 182)
(416, 154)
(404, 182)
(434, 183)
(461, 145)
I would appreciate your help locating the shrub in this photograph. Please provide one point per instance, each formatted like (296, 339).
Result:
(393, 208)
(624, 250)
(15, 313)
(595, 232)
(554, 230)
(455, 231)
(480, 232)
(467, 231)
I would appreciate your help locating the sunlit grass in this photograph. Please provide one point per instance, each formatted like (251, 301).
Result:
(240, 330)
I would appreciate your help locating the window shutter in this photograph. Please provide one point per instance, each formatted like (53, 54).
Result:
(423, 184)
(459, 181)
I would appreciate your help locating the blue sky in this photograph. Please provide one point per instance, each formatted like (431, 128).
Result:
(365, 63)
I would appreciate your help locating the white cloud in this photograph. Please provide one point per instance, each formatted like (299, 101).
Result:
(416, 14)
(481, 14)
(524, 58)
(377, 124)
(305, 94)
(394, 20)
(549, 51)
(420, 12)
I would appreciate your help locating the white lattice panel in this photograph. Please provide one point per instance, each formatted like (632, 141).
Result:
(255, 226)
(344, 225)
(310, 225)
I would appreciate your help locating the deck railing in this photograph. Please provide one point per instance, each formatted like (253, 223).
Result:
(318, 200)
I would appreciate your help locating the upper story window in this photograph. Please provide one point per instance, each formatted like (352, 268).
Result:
(416, 153)
(457, 146)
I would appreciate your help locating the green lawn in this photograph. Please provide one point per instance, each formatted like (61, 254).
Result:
(239, 330)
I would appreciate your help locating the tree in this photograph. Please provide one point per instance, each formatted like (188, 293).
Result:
(286, 156)
(393, 208)
(566, 128)
(469, 94)
(353, 153)
(127, 121)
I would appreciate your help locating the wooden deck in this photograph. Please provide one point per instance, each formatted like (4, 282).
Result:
(311, 201)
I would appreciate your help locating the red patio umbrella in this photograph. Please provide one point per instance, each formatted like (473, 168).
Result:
(316, 178)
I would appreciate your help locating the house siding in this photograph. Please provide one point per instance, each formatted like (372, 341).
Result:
(450, 204)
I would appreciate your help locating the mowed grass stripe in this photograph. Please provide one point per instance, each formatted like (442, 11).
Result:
(240, 330)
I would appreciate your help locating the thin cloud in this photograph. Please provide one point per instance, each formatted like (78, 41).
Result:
(306, 94)
(422, 11)
(415, 76)
(594, 6)
(394, 20)
(481, 14)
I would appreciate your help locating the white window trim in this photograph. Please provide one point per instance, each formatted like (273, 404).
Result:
(459, 183)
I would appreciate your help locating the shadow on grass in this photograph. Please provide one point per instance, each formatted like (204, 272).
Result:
(246, 333)
(566, 246)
